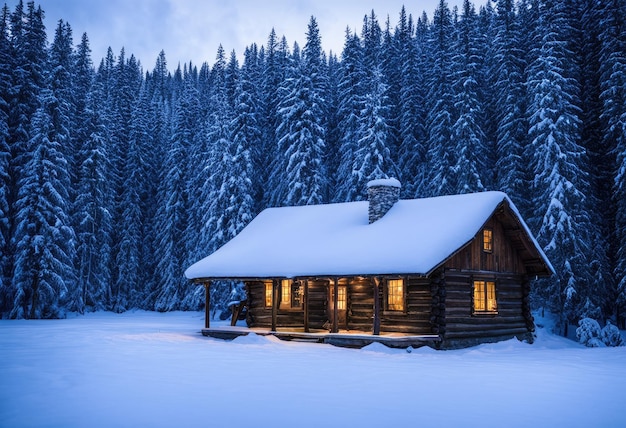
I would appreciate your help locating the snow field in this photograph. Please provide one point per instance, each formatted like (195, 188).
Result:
(155, 369)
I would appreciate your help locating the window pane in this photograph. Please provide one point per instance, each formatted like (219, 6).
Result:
(487, 240)
(491, 296)
(395, 295)
(285, 301)
(296, 295)
(479, 295)
(341, 298)
(485, 296)
(268, 294)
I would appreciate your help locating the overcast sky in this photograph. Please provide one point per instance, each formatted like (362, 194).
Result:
(192, 30)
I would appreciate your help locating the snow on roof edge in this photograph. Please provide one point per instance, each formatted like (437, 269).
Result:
(390, 182)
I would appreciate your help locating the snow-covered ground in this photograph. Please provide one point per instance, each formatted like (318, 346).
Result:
(143, 369)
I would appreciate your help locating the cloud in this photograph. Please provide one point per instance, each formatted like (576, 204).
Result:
(192, 30)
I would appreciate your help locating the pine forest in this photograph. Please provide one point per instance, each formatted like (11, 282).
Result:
(115, 178)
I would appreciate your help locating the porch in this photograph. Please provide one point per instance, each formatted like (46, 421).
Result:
(343, 338)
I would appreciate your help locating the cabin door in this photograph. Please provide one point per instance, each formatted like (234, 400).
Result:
(342, 305)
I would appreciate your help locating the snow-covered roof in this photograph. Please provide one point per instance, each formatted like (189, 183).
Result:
(414, 237)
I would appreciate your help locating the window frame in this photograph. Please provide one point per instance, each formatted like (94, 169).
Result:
(401, 295)
(291, 295)
(488, 296)
(487, 241)
(269, 294)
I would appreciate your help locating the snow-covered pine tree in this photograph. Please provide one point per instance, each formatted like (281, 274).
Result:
(5, 159)
(440, 116)
(26, 65)
(163, 91)
(272, 77)
(44, 249)
(301, 131)
(93, 223)
(239, 186)
(391, 70)
(470, 147)
(350, 105)
(613, 122)
(412, 149)
(62, 82)
(559, 165)
(587, 48)
(372, 156)
(172, 215)
(511, 125)
(333, 132)
(130, 229)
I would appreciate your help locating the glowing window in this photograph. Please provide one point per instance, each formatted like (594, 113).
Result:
(485, 296)
(395, 295)
(341, 298)
(342, 301)
(285, 297)
(487, 240)
(291, 294)
(269, 291)
(297, 294)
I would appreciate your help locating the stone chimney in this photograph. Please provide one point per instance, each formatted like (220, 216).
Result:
(382, 194)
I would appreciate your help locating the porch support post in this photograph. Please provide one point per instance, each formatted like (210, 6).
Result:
(335, 328)
(376, 326)
(306, 305)
(207, 304)
(275, 296)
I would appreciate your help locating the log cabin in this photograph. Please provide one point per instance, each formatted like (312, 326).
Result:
(447, 272)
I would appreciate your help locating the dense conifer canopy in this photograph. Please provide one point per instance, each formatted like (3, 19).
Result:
(113, 179)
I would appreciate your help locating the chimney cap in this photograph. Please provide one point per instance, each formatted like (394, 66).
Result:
(388, 182)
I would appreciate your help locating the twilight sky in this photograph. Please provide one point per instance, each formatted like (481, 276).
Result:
(192, 30)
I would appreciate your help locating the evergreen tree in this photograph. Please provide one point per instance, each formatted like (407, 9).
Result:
(613, 124)
(558, 162)
(587, 47)
(412, 114)
(61, 81)
(511, 126)
(172, 214)
(93, 222)
(123, 81)
(351, 92)
(5, 159)
(469, 169)
(44, 249)
(440, 116)
(272, 76)
(301, 131)
(372, 158)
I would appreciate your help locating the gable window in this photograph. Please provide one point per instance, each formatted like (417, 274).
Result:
(487, 240)
(485, 297)
(269, 292)
(395, 295)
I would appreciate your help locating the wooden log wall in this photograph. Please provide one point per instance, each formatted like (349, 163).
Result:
(510, 320)
(360, 304)
(423, 314)
(503, 258)
(261, 316)
(416, 318)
